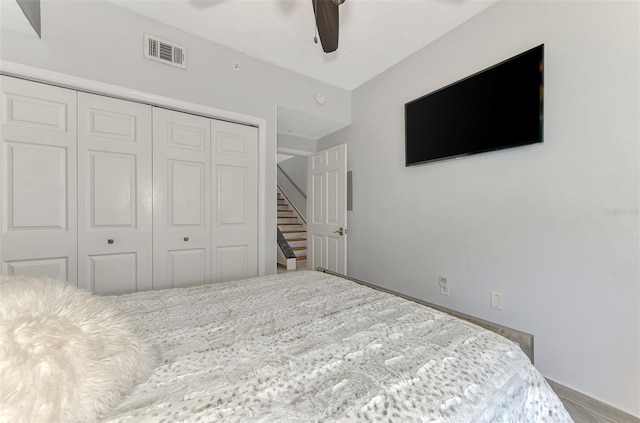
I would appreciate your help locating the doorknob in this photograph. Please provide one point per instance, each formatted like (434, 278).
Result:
(340, 231)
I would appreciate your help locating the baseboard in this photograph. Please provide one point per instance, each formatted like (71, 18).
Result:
(592, 409)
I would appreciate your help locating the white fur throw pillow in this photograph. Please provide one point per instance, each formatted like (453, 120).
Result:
(65, 355)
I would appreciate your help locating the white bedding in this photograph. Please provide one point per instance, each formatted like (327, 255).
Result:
(307, 346)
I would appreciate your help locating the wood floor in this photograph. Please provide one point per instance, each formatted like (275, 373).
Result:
(300, 265)
(584, 409)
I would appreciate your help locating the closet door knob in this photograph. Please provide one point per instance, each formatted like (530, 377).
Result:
(186, 238)
(109, 241)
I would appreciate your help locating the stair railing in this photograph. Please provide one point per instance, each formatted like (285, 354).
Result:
(295, 209)
(300, 215)
(284, 249)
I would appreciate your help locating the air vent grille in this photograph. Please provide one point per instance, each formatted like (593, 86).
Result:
(164, 51)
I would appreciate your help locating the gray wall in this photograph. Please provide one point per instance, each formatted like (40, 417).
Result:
(296, 169)
(292, 179)
(554, 227)
(299, 144)
(336, 138)
(99, 41)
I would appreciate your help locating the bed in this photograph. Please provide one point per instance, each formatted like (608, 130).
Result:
(310, 346)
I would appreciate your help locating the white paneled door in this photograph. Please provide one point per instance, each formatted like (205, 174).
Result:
(234, 181)
(327, 209)
(117, 196)
(182, 199)
(38, 179)
(114, 195)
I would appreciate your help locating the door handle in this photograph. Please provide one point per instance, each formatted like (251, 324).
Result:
(109, 241)
(340, 231)
(186, 238)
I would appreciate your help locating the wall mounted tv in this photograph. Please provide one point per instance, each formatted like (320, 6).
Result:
(496, 108)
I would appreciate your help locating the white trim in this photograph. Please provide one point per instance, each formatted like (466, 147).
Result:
(95, 87)
(292, 264)
(81, 84)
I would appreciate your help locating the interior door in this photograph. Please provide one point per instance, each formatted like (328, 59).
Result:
(234, 181)
(38, 179)
(114, 195)
(182, 199)
(327, 210)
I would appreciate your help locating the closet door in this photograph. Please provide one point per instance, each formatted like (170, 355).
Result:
(38, 180)
(182, 199)
(234, 178)
(114, 195)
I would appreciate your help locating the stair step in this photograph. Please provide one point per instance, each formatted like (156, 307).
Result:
(287, 232)
(293, 225)
(292, 228)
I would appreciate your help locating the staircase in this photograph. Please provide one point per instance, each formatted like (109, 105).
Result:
(293, 229)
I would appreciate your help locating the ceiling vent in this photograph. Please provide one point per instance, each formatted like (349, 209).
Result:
(164, 51)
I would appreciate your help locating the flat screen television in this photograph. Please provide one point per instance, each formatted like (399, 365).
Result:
(496, 108)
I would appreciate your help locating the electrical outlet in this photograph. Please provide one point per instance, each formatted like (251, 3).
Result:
(496, 300)
(444, 286)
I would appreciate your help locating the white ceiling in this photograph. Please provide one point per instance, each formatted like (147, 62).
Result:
(374, 34)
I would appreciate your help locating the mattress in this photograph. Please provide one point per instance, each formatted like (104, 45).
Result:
(307, 346)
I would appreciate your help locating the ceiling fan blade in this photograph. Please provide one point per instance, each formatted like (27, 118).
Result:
(327, 22)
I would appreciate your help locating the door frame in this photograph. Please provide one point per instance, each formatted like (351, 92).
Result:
(45, 76)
